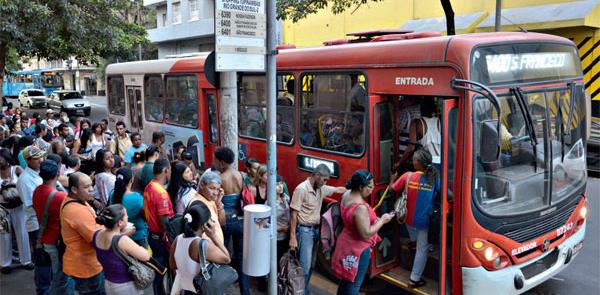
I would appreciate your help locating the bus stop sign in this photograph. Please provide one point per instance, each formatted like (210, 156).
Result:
(240, 34)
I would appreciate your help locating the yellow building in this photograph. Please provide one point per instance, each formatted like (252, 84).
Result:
(576, 20)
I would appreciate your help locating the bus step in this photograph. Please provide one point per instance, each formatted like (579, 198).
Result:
(401, 278)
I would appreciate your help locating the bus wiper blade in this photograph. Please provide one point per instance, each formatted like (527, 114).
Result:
(517, 92)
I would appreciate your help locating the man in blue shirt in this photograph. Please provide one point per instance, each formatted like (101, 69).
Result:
(136, 146)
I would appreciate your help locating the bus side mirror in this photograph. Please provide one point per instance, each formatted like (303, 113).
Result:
(489, 141)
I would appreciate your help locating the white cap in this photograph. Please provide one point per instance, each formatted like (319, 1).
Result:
(49, 111)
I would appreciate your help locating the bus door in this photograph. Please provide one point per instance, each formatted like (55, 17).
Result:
(449, 119)
(211, 139)
(134, 102)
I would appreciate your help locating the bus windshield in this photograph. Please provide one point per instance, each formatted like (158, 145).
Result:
(533, 171)
(52, 80)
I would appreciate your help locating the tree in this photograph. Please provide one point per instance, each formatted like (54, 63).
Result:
(296, 10)
(52, 29)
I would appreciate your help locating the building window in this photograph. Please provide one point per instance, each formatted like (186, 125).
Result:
(176, 13)
(332, 112)
(154, 99)
(182, 100)
(194, 10)
(163, 19)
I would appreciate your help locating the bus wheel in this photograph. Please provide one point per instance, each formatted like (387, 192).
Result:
(369, 286)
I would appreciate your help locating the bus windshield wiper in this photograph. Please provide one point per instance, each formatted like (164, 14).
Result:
(518, 93)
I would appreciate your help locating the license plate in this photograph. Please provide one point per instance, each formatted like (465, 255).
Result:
(80, 111)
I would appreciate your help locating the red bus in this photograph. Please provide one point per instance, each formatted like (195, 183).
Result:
(513, 135)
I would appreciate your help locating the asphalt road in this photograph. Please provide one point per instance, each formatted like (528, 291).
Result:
(581, 277)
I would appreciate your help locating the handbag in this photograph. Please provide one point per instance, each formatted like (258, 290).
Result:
(10, 195)
(141, 273)
(290, 280)
(41, 257)
(213, 278)
(400, 205)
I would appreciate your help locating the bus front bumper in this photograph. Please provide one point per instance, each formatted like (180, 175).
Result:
(502, 282)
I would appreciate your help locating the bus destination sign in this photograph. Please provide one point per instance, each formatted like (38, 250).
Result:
(240, 34)
(309, 163)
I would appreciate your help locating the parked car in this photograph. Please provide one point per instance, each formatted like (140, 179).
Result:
(33, 98)
(69, 101)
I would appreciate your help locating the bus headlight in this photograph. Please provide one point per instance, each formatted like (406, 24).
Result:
(583, 212)
(490, 255)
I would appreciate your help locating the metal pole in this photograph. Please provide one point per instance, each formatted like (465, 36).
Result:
(228, 112)
(498, 26)
(272, 137)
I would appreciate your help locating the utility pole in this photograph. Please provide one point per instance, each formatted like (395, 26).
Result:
(272, 137)
(498, 16)
(229, 113)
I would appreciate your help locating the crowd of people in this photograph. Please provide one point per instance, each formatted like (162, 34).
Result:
(85, 194)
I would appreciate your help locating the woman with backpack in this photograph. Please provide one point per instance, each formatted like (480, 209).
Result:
(421, 188)
(351, 258)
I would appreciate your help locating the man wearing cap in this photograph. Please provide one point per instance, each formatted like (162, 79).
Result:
(28, 181)
(46, 196)
(49, 121)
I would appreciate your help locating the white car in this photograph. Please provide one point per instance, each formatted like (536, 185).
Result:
(69, 101)
(33, 98)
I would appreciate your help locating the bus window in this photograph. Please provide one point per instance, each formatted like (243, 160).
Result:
(154, 106)
(253, 111)
(116, 95)
(333, 112)
(182, 100)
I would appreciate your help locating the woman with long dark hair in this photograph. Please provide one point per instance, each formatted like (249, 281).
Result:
(81, 148)
(98, 139)
(422, 187)
(133, 203)
(104, 179)
(117, 279)
(359, 234)
(184, 254)
(181, 188)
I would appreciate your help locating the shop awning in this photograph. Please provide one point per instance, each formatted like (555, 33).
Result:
(464, 23)
(550, 16)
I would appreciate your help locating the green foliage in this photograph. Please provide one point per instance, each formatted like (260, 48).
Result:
(13, 60)
(296, 10)
(59, 29)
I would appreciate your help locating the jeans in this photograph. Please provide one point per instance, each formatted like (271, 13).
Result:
(90, 286)
(121, 288)
(42, 274)
(307, 238)
(234, 231)
(161, 255)
(61, 283)
(420, 235)
(352, 288)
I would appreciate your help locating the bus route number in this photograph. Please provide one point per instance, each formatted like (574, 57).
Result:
(564, 229)
(226, 14)
(225, 31)
(226, 22)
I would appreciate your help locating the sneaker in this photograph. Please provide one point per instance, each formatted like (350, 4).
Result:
(418, 284)
(29, 266)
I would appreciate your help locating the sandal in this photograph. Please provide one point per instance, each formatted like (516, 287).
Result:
(418, 284)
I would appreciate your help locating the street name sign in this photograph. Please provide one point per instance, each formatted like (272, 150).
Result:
(240, 34)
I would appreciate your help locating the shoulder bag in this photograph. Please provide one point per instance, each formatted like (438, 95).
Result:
(11, 197)
(213, 278)
(140, 272)
(400, 205)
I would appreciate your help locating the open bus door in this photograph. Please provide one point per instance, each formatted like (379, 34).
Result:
(394, 253)
(134, 102)
(212, 126)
